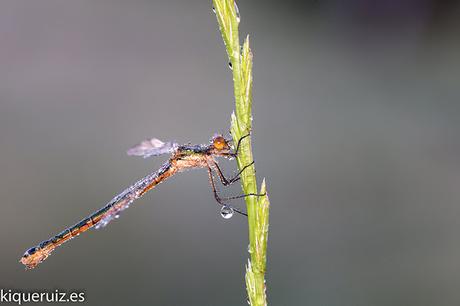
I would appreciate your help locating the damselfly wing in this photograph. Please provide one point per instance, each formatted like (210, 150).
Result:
(152, 147)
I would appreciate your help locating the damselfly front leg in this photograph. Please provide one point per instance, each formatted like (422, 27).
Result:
(235, 154)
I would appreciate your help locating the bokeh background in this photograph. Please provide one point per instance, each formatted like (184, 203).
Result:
(356, 128)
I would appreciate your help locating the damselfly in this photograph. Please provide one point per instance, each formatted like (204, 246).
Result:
(182, 157)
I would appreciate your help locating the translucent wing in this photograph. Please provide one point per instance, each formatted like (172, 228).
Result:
(152, 147)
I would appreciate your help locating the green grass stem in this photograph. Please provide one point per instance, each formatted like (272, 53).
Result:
(241, 124)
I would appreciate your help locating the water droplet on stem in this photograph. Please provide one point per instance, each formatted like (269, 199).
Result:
(226, 212)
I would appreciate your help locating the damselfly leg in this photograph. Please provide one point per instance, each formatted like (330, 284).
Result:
(235, 154)
(227, 182)
(216, 194)
(224, 180)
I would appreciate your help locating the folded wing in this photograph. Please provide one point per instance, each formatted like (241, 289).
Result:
(152, 147)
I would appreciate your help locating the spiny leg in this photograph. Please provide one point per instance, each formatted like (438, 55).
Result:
(216, 195)
(225, 181)
(243, 196)
(235, 154)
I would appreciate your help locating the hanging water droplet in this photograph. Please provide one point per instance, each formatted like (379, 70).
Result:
(117, 216)
(230, 65)
(248, 301)
(237, 11)
(226, 212)
(213, 9)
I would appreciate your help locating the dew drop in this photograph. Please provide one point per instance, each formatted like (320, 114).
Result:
(213, 9)
(230, 65)
(117, 216)
(237, 13)
(226, 212)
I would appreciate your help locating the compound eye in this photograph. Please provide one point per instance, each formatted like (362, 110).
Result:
(220, 143)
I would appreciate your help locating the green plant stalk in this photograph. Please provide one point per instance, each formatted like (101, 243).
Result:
(241, 125)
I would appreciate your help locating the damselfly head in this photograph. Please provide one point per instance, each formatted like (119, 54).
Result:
(220, 144)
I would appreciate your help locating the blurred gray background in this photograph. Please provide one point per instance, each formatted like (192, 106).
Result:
(356, 124)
